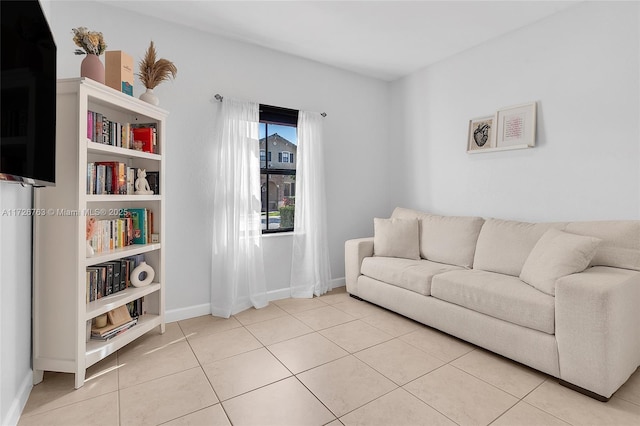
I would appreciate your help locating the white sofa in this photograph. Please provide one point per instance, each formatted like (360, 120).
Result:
(518, 289)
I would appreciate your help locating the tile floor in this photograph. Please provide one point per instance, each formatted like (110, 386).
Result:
(325, 361)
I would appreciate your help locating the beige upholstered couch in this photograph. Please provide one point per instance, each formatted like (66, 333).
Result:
(518, 289)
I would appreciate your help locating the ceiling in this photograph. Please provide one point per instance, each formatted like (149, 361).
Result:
(381, 39)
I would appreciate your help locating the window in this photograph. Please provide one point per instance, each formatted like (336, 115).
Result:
(278, 140)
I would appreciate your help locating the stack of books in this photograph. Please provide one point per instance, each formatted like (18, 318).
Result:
(119, 321)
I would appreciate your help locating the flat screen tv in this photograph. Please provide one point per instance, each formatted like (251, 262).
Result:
(28, 95)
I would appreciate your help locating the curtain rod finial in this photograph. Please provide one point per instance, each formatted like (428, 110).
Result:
(324, 114)
(218, 97)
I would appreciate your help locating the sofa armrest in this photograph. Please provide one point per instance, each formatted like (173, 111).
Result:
(354, 252)
(597, 323)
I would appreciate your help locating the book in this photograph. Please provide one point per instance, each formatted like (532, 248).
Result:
(115, 275)
(139, 224)
(146, 136)
(154, 181)
(90, 125)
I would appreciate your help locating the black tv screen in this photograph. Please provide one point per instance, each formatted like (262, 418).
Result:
(28, 90)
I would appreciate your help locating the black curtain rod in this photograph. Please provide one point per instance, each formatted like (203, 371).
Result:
(218, 97)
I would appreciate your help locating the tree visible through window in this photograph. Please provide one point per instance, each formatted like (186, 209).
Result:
(279, 142)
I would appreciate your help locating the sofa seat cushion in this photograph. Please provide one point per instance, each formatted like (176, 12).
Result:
(497, 295)
(414, 275)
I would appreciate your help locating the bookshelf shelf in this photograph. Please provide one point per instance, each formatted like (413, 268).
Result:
(97, 350)
(114, 151)
(131, 250)
(92, 198)
(112, 301)
(62, 315)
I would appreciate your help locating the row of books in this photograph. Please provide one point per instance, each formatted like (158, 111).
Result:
(134, 226)
(110, 277)
(139, 136)
(113, 177)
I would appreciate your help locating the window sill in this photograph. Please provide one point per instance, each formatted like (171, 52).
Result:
(277, 234)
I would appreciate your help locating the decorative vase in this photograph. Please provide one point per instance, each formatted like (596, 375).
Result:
(150, 97)
(142, 268)
(90, 251)
(92, 67)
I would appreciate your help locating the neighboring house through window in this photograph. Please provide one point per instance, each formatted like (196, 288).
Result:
(278, 134)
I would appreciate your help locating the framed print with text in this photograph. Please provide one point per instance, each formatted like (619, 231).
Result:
(516, 127)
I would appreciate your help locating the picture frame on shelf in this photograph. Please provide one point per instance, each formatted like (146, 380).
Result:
(481, 134)
(516, 126)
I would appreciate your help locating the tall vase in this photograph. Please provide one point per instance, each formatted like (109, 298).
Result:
(92, 67)
(150, 97)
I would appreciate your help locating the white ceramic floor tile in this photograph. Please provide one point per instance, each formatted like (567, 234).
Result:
(252, 315)
(210, 416)
(630, 391)
(299, 305)
(461, 397)
(245, 372)
(334, 297)
(441, 345)
(398, 408)
(305, 352)
(324, 317)
(346, 384)
(578, 409)
(98, 411)
(278, 329)
(282, 403)
(57, 389)
(399, 361)
(503, 373)
(524, 414)
(167, 398)
(222, 345)
(207, 324)
(391, 323)
(135, 367)
(355, 335)
(357, 308)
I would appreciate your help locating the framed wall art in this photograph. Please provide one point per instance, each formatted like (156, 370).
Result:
(481, 134)
(516, 127)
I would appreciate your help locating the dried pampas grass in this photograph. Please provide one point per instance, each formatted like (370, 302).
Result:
(154, 72)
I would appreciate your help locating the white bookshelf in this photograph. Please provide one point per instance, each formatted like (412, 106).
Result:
(60, 308)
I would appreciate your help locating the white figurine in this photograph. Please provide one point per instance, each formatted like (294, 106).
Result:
(142, 186)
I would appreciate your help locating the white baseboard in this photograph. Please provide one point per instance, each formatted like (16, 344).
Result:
(20, 400)
(180, 314)
(282, 293)
(337, 282)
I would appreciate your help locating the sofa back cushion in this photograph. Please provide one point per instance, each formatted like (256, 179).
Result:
(445, 239)
(396, 238)
(504, 245)
(449, 239)
(620, 246)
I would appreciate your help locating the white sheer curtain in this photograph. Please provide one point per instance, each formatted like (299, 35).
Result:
(310, 268)
(238, 280)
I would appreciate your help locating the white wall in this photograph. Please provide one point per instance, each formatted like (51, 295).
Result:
(15, 301)
(581, 66)
(356, 132)
(15, 296)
